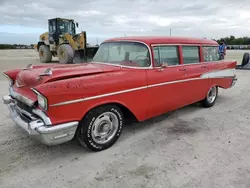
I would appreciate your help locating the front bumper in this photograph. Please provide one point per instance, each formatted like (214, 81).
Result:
(38, 126)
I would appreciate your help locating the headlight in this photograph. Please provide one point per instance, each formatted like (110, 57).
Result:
(11, 82)
(42, 101)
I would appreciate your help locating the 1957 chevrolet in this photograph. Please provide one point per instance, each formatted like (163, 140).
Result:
(139, 76)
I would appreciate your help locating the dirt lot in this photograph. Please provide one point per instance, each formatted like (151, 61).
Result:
(188, 148)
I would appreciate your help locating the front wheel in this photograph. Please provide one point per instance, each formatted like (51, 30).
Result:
(100, 128)
(211, 97)
(45, 54)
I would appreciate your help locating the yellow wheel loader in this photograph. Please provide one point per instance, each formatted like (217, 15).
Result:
(62, 41)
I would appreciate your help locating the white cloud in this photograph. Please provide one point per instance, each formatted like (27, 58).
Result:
(198, 18)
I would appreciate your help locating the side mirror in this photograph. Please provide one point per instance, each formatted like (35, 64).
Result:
(77, 24)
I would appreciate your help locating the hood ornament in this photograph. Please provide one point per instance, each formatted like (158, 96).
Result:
(47, 72)
(29, 66)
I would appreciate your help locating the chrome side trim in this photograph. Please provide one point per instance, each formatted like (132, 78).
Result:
(21, 98)
(98, 96)
(219, 73)
(123, 91)
(228, 73)
(173, 82)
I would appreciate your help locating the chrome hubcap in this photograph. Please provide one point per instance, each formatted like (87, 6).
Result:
(105, 127)
(211, 95)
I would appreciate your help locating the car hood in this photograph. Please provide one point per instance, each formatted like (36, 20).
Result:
(37, 75)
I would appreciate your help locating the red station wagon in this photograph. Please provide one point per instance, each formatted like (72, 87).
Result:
(145, 76)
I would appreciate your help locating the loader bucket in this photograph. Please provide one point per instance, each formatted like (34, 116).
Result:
(81, 57)
(245, 65)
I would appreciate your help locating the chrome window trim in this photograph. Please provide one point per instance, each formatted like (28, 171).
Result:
(172, 44)
(150, 54)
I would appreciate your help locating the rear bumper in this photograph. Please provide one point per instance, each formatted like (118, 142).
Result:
(234, 81)
(37, 125)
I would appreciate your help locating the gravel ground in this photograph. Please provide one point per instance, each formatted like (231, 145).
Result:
(188, 148)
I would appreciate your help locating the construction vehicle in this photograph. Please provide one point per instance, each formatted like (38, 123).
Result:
(62, 41)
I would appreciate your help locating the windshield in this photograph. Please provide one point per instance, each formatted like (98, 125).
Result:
(66, 27)
(123, 53)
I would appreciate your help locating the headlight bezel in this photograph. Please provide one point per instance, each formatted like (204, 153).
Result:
(10, 80)
(41, 100)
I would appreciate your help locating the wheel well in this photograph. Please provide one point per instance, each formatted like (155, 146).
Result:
(129, 117)
(40, 44)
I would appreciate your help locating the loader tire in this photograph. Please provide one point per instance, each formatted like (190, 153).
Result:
(45, 54)
(65, 54)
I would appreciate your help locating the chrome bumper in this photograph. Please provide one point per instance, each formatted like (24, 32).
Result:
(233, 81)
(38, 127)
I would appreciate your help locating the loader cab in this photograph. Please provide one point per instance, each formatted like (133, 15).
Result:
(59, 26)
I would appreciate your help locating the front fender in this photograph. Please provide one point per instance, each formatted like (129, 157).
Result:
(12, 74)
(71, 98)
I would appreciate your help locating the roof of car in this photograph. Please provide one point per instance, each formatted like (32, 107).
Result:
(164, 39)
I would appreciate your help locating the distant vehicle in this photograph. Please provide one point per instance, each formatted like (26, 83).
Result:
(245, 63)
(62, 41)
(138, 76)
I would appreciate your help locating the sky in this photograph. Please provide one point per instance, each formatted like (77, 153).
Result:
(22, 21)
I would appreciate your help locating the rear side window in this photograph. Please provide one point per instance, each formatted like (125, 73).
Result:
(190, 54)
(166, 55)
(210, 53)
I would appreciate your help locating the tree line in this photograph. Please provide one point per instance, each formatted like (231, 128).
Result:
(232, 40)
(15, 46)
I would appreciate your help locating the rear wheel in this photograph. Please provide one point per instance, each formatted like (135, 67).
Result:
(45, 54)
(65, 54)
(211, 97)
(100, 128)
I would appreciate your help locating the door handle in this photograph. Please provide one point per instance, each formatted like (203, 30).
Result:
(204, 66)
(182, 69)
(160, 69)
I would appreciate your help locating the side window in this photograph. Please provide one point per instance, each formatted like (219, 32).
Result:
(210, 53)
(166, 55)
(190, 54)
(169, 55)
(52, 26)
